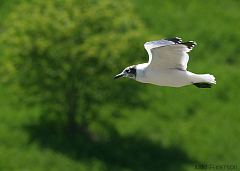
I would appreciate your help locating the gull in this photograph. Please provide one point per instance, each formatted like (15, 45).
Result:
(167, 66)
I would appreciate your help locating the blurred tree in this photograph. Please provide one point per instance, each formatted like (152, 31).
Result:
(62, 55)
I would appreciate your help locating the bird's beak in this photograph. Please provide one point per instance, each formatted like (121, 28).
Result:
(119, 75)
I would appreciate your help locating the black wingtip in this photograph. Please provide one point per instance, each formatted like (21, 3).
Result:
(176, 40)
(189, 44)
(203, 85)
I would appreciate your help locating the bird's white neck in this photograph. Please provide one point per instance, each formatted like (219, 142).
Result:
(141, 71)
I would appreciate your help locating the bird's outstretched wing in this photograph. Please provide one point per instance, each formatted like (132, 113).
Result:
(169, 53)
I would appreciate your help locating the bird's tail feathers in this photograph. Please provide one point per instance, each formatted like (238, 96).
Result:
(204, 81)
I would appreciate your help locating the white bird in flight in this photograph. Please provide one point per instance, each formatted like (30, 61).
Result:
(167, 66)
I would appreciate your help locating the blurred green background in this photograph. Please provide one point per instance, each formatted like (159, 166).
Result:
(60, 109)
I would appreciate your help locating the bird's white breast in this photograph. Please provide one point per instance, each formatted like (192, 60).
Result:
(162, 77)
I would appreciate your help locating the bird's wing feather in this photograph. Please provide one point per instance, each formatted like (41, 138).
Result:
(160, 43)
(169, 53)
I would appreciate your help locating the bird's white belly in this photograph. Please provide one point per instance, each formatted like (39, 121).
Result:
(167, 77)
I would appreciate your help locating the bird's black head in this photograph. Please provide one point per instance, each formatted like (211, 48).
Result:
(129, 72)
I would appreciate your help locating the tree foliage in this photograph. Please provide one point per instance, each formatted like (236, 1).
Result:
(62, 55)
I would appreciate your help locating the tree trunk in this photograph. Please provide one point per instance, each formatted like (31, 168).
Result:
(71, 123)
(71, 102)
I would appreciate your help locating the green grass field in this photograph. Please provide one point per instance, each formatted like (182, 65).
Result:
(178, 129)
